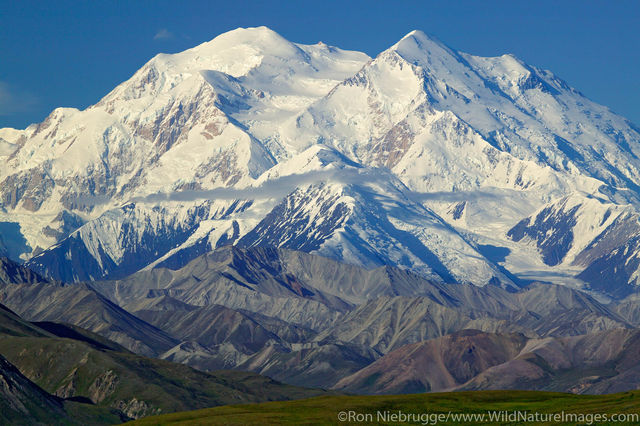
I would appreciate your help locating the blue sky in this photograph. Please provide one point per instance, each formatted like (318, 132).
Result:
(71, 53)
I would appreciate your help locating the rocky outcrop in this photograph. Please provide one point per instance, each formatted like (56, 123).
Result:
(135, 409)
(103, 386)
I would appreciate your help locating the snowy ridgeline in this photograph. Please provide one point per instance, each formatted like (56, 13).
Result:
(462, 168)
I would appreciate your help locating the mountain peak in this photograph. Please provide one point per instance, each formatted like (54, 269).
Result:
(419, 38)
(251, 34)
(417, 46)
(417, 34)
(235, 52)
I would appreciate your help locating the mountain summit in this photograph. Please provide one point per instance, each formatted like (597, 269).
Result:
(459, 167)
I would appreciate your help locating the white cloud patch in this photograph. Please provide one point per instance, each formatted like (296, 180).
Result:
(282, 186)
(163, 34)
(275, 188)
(14, 101)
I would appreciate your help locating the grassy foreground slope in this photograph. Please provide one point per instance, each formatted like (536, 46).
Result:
(54, 373)
(325, 410)
(135, 385)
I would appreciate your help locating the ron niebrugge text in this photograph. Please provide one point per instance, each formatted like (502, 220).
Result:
(389, 416)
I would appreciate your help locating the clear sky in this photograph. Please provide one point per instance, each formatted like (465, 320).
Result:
(71, 53)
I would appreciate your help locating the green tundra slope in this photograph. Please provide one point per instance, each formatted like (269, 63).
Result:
(326, 409)
(79, 377)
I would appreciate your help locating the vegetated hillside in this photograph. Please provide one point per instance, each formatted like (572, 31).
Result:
(23, 402)
(325, 410)
(68, 366)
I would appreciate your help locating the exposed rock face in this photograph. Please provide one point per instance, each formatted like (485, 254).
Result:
(103, 386)
(82, 306)
(471, 360)
(68, 390)
(13, 273)
(597, 363)
(435, 365)
(311, 364)
(552, 232)
(135, 409)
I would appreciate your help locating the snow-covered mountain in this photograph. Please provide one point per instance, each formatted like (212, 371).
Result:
(462, 168)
